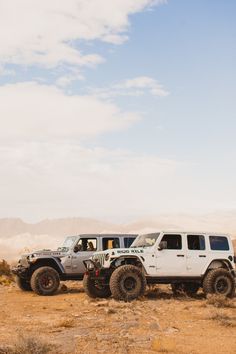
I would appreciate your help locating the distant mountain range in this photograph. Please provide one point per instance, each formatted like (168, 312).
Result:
(17, 235)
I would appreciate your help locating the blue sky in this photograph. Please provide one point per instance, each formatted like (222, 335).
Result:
(143, 125)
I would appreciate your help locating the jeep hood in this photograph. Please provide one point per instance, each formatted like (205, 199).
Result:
(46, 253)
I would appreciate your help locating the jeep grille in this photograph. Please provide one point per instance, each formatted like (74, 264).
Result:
(99, 258)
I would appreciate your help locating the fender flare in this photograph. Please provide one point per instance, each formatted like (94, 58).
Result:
(48, 262)
(139, 258)
(217, 263)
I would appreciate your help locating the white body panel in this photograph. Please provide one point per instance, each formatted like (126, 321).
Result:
(187, 254)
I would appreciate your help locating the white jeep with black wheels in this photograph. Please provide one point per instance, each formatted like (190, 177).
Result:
(186, 260)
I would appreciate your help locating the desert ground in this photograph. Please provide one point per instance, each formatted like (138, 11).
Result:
(71, 322)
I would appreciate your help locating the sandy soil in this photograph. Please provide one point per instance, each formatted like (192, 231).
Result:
(74, 323)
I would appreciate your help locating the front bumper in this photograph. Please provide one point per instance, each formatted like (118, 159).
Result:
(21, 271)
(95, 271)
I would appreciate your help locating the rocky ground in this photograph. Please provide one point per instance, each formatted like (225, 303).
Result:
(73, 323)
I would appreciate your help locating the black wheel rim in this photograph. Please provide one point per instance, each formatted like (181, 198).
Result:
(222, 285)
(46, 282)
(130, 283)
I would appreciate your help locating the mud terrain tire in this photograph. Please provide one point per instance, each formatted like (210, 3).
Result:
(190, 289)
(45, 281)
(94, 290)
(219, 281)
(23, 284)
(127, 283)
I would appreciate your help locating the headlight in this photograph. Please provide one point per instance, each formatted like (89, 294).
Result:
(107, 256)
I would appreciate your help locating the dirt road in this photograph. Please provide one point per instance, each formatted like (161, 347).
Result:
(73, 323)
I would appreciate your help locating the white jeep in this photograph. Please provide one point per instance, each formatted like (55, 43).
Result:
(186, 260)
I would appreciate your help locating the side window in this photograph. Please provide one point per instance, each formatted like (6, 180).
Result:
(174, 242)
(219, 243)
(113, 242)
(128, 241)
(87, 244)
(196, 242)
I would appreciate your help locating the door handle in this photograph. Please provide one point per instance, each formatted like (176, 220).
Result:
(180, 255)
(201, 255)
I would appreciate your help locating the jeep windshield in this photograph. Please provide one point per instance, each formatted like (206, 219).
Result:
(147, 240)
(69, 241)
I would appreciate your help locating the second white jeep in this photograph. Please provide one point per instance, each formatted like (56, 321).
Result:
(186, 260)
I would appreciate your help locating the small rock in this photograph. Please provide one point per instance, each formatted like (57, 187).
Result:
(155, 326)
(102, 303)
(64, 288)
(109, 311)
(171, 330)
(104, 337)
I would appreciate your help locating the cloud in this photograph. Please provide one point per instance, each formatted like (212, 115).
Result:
(34, 111)
(47, 33)
(49, 179)
(148, 83)
(137, 86)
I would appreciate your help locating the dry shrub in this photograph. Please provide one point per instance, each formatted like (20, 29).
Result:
(220, 301)
(27, 345)
(4, 280)
(224, 320)
(6, 277)
(4, 268)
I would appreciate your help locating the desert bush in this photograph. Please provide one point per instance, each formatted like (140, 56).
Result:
(224, 319)
(27, 345)
(4, 280)
(4, 268)
(220, 301)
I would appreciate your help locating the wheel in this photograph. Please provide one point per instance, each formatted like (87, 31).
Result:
(45, 281)
(23, 284)
(219, 281)
(93, 289)
(189, 289)
(127, 283)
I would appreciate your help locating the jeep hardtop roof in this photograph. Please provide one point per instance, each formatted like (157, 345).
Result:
(102, 235)
(188, 232)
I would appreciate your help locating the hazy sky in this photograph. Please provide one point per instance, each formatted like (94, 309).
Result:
(117, 109)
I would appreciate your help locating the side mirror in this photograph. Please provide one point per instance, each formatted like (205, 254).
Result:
(76, 249)
(162, 245)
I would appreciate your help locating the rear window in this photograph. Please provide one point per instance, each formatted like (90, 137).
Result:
(219, 243)
(128, 241)
(196, 242)
(108, 243)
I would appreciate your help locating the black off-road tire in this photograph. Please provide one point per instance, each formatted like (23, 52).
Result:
(93, 289)
(219, 281)
(127, 283)
(23, 284)
(189, 288)
(45, 281)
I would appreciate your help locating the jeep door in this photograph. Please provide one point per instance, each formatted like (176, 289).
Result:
(197, 255)
(171, 261)
(83, 250)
